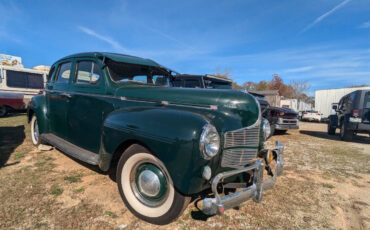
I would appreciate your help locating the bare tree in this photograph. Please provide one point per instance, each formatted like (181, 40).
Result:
(300, 88)
(223, 73)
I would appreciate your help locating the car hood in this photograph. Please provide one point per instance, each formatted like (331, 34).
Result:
(230, 103)
(285, 110)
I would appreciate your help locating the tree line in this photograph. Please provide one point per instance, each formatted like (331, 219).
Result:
(293, 90)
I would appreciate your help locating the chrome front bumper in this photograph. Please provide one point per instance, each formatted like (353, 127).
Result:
(218, 204)
(285, 124)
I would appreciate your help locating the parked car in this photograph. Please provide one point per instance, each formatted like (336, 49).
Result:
(10, 101)
(352, 115)
(15, 83)
(280, 119)
(169, 144)
(311, 115)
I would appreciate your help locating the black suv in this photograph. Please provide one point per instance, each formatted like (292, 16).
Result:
(280, 119)
(352, 115)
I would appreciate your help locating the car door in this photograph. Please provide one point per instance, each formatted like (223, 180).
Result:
(58, 97)
(88, 106)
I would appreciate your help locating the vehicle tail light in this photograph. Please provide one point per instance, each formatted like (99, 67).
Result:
(356, 113)
(318, 114)
(41, 92)
(304, 112)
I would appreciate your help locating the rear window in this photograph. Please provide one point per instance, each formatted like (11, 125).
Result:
(367, 101)
(19, 79)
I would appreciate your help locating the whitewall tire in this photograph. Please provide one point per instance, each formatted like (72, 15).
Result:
(35, 135)
(147, 188)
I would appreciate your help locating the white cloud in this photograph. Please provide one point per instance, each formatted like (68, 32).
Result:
(364, 25)
(116, 45)
(299, 69)
(322, 17)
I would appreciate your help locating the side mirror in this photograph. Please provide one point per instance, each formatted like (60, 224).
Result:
(334, 107)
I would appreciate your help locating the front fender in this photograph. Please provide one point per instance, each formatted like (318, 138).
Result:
(37, 106)
(172, 135)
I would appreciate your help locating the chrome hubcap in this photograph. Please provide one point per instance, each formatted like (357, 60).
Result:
(149, 183)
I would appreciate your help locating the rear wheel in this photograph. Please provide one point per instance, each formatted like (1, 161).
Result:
(3, 111)
(35, 135)
(345, 133)
(146, 187)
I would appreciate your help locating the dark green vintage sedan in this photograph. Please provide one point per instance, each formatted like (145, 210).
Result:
(167, 144)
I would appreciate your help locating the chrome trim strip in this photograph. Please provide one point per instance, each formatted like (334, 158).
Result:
(123, 98)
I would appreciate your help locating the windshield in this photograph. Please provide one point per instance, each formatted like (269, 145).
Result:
(216, 84)
(140, 74)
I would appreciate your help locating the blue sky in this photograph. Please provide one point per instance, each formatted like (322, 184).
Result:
(326, 42)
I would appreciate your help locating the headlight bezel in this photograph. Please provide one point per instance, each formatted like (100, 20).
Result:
(209, 148)
(266, 128)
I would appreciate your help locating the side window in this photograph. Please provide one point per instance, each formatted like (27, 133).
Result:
(64, 73)
(19, 79)
(367, 101)
(88, 72)
(139, 78)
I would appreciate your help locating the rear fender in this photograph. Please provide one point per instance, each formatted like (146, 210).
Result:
(37, 106)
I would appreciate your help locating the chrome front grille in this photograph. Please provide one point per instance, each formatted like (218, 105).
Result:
(242, 137)
(245, 142)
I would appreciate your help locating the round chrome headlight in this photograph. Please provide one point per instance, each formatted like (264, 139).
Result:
(266, 129)
(209, 142)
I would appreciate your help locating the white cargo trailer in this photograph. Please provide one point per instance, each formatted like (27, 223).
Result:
(324, 99)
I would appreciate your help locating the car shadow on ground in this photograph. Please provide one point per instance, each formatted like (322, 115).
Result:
(356, 139)
(10, 138)
(111, 172)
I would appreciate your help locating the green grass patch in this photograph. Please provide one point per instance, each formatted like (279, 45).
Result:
(111, 214)
(80, 190)
(18, 156)
(56, 191)
(73, 179)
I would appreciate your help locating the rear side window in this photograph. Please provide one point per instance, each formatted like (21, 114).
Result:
(88, 72)
(19, 79)
(64, 73)
(367, 101)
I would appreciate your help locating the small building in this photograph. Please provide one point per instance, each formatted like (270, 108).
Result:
(325, 99)
(272, 96)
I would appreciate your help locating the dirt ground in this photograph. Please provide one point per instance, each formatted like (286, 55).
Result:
(326, 185)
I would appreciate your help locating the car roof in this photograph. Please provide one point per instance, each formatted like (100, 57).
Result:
(115, 57)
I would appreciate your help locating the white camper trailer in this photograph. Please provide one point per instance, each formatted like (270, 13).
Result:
(325, 99)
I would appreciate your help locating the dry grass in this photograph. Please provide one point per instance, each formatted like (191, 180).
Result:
(325, 186)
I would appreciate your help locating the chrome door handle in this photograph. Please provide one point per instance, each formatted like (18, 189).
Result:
(66, 95)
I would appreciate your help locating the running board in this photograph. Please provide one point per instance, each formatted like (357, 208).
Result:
(71, 149)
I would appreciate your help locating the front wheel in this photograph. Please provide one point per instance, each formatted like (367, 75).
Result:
(280, 131)
(3, 111)
(146, 187)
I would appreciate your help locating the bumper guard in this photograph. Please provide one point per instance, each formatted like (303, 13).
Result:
(219, 204)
